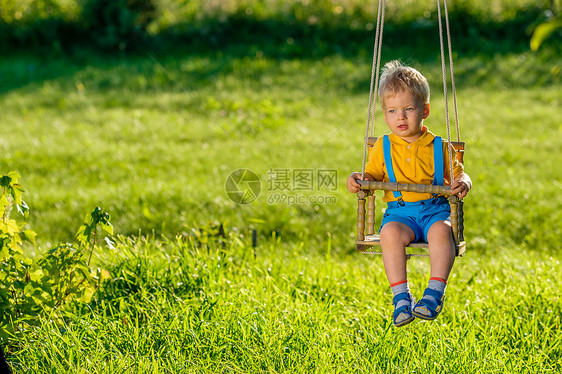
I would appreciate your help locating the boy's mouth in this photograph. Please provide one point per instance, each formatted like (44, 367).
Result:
(402, 127)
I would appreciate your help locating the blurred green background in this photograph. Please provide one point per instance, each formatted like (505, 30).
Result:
(145, 108)
(280, 26)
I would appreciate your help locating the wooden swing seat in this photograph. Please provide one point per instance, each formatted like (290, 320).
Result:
(374, 240)
(367, 240)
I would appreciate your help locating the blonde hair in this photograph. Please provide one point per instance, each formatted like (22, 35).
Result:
(396, 78)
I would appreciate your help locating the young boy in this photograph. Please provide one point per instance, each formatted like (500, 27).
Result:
(407, 155)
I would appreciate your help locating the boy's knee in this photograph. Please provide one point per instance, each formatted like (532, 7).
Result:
(441, 229)
(395, 232)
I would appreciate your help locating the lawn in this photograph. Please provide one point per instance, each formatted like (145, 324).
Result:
(186, 306)
(153, 139)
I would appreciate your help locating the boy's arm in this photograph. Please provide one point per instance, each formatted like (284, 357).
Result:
(461, 185)
(352, 185)
(373, 169)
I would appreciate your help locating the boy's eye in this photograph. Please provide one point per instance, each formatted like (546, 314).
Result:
(410, 108)
(391, 111)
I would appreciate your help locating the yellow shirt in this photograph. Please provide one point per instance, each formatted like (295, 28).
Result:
(412, 163)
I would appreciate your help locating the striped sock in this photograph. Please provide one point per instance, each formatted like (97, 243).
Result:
(436, 284)
(398, 288)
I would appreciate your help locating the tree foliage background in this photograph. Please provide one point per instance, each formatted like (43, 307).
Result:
(327, 25)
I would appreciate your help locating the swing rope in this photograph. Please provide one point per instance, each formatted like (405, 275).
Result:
(452, 70)
(443, 69)
(408, 255)
(373, 91)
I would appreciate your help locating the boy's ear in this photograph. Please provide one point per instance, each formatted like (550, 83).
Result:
(425, 111)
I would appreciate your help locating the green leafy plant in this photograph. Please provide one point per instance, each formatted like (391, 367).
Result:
(28, 288)
(14, 265)
(87, 232)
(544, 30)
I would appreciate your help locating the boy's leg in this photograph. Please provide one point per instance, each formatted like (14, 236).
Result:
(395, 236)
(442, 258)
(441, 249)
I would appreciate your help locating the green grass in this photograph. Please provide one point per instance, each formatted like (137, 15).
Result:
(187, 307)
(152, 140)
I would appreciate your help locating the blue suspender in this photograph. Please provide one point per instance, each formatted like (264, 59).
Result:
(438, 174)
(388, 163)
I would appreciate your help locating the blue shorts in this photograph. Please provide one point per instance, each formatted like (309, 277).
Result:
(419, 215)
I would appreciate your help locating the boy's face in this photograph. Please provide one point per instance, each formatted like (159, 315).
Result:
(404, 114)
